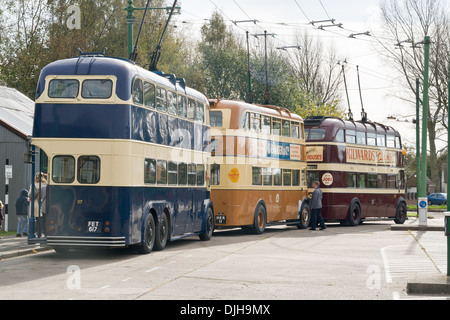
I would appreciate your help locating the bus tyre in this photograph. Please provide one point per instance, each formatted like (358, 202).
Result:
(259, 224)
(401, 214)
(148, 236)
(354, 217)
(162, 233)
(305, 217)
(209, 226)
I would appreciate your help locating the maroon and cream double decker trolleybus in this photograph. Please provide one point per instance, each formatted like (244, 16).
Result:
(360, 169)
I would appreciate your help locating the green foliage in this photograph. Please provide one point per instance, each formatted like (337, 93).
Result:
(216, 65)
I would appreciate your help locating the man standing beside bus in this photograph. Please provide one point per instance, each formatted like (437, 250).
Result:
(316, 208)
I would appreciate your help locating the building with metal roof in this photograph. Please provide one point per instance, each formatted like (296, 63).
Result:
(16, 126)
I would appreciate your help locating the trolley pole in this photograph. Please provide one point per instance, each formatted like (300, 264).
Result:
(423, 159)
(131, 19)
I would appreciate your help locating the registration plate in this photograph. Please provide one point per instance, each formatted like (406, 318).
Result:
(93, 226)
(221, 219)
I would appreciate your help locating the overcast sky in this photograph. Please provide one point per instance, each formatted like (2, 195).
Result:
(285, 18)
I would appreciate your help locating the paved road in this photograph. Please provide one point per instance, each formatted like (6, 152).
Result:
(367, 262)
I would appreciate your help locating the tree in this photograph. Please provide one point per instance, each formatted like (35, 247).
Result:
(408, 22)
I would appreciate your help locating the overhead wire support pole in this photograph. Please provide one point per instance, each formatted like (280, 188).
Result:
(133, 55)
(267, 94)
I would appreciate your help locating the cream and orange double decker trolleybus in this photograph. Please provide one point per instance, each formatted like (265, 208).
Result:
(359, 165)
(126, 155)
(258, 170)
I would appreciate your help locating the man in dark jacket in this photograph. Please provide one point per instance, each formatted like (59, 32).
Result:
(22, 206)
(316, 208)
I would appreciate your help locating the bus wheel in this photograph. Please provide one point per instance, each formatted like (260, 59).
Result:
(401, 214)
(305, 217)
(162, 233)
(354, 214)
(148, 238)
(259, 224)
(209, 227)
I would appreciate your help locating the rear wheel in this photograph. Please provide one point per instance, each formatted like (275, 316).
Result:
(148, 237)
(354, 218)
(260, 220)
(305, 217)
(401, 214)
(209, 227)
(162, 233)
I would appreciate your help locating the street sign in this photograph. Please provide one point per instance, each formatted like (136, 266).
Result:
(8, 171)
(423, 211)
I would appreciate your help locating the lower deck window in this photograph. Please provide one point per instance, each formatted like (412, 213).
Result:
(88, 169)
(63, 169)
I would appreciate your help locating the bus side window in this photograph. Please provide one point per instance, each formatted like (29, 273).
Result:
(295, 130)
(372, 181)
(150, 171)
(246, 121)
(286, 128)
(381, 140)
(398, 144)
(172, 102)
(138, 92)
(362, 180)
(191, 110)
(340, 136)
(287, 177)
(200, 174)
(216, 119)
(182, 174)
(200, 112)
(161, 99)
(173, 173)
(296, 178)
(161, 171)
(371, 139)
(350, 136)
(351, 180)
(361, 138)
(267, 176)
(277, 177)
(390, 141)
(256, 176)
(276, 127)
(215, 174)
(256, 122)
(182, 107)
(149, 95)
(265, 126)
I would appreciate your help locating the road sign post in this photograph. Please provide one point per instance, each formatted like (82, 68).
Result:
(423, 212)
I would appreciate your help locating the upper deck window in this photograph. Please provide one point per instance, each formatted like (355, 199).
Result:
(138, 92)
(286, 128)
(316, 134)
(216, 118)
(67, 89)
(97, 89)
(350, 136)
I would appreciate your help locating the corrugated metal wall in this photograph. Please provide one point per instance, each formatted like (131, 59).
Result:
(13, 147)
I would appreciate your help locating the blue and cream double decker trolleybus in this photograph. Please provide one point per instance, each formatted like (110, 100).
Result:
(126, 159)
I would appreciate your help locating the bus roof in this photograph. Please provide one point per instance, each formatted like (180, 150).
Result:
(240, 107)
(338, 123)
(124, 70)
